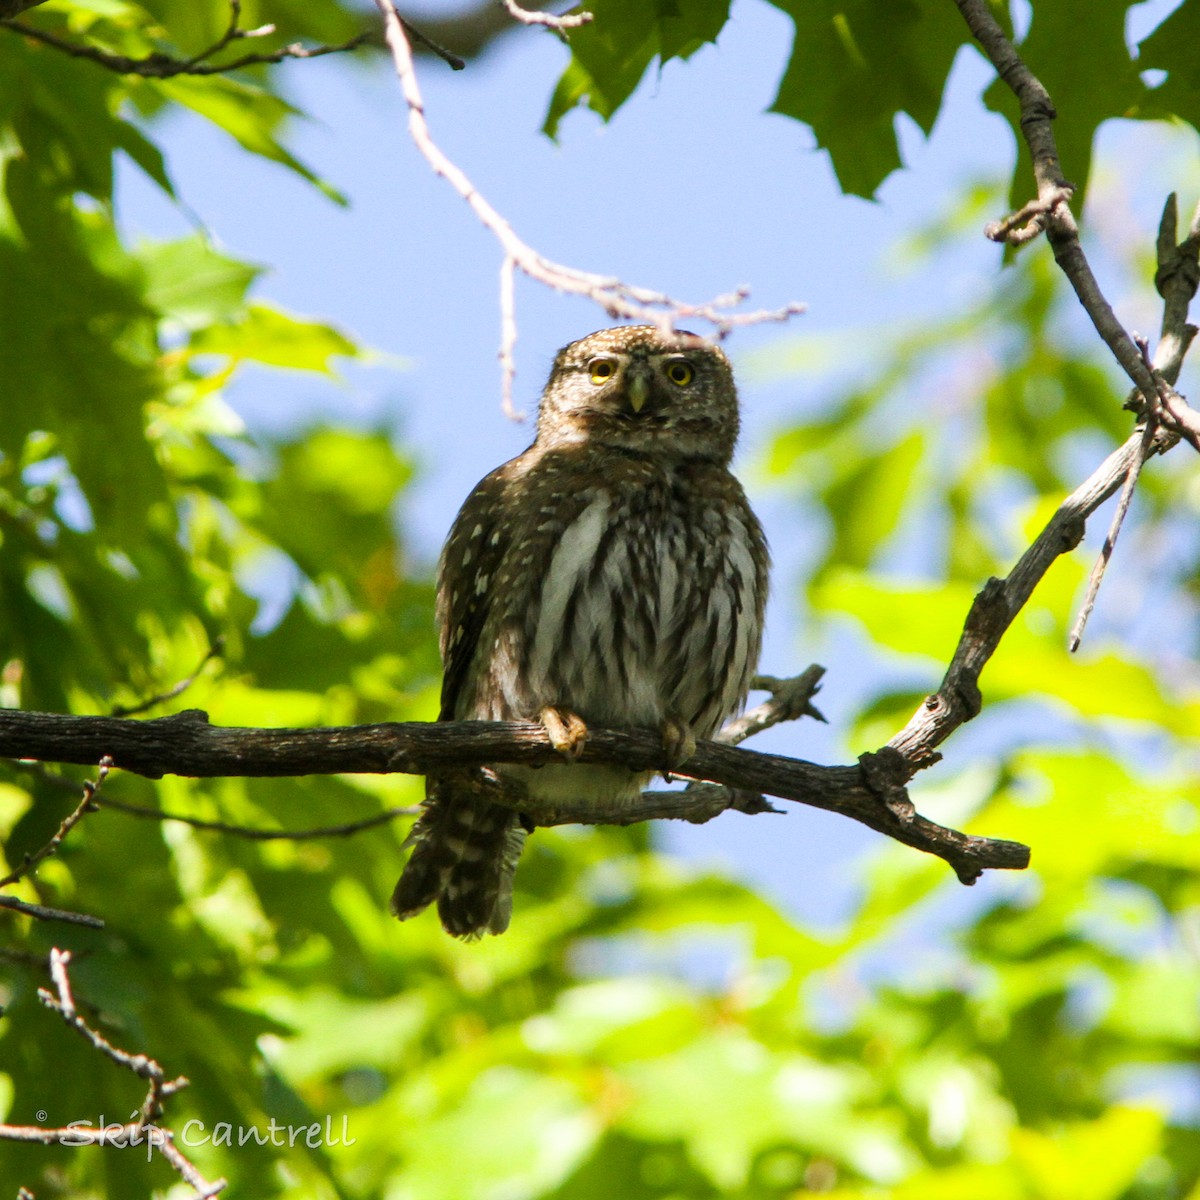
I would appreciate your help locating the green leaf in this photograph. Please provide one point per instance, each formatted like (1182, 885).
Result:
(1097, 1160)
(1087, 89)
(610, 55)
(526, 1133)
(247, 113)
(869, 498)
(732, 1099)
(856, 65)
(1169, 48)
(267, 335)
(191, 282)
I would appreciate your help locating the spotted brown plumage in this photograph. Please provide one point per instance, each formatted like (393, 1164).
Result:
(614, 575)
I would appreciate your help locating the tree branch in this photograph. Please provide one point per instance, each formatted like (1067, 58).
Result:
(186, 744)
(618, 299)
(997, 604)
(215, 650)
(85, 806)
(1054, 214)
(42, 913)
(165, 66)
(549, 20)
(143, 1131)
(253, 834)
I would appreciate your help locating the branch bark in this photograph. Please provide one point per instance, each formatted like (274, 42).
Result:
(186, 744)
(1053, 213)
(1037, 118)
(144, 1131)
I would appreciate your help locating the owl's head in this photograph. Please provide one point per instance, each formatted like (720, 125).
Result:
(635, 388)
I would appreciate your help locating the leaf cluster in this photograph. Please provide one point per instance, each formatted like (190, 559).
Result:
(648, 1029)
(858, 66)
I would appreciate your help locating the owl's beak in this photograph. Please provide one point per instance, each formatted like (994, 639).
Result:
(637, 385)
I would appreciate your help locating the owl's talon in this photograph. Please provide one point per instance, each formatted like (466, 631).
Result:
(678, 741)
(567, 731)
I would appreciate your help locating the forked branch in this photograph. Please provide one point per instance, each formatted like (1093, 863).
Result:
(619, 300)
(1154, 399)
(144, 1131)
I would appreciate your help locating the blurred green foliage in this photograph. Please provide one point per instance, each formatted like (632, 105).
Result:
(1046, 1050)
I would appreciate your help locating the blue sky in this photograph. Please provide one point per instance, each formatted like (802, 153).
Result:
(692, 189)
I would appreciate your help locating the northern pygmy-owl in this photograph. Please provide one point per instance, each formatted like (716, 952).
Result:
(611, 575)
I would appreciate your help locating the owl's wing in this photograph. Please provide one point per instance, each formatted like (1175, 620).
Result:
(478, 541)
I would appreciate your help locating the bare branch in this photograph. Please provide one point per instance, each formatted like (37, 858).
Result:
(264, 835)
(571, 21)
(1037, 117)
(1035, 214)
(1110, 542)
(1176, 280)
(423, 39)
(508, 338)
(85, 806)
(160, 1088)
(165, 66)
(186, 744)
(997, 604)
(42, 913)
(1155, 399)
(620, 300)
(214, 651)
(790, 700)
(250, 833)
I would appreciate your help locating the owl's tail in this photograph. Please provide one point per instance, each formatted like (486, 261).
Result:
(464, 853)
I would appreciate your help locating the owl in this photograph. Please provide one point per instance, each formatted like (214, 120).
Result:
(611, 575)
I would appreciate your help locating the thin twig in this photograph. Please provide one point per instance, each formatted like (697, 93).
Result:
(508, 338)
(42, 913)
(214, 651)
(1012, 230)
(156, 1137)
(1176, 279)
(159, 1088)
(263, 835)
(570, 21)
(85, 806)
(790, 700)
(144, 1067)
(1157, 402)
(958, 698)
(250, 832)
(165, 66)
(1110, 541)
(423, 39)
(621, 301)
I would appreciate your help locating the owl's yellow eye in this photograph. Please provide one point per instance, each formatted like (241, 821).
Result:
(601, 370)
(680, 372)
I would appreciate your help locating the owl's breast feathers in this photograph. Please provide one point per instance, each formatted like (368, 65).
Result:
(624, 587)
